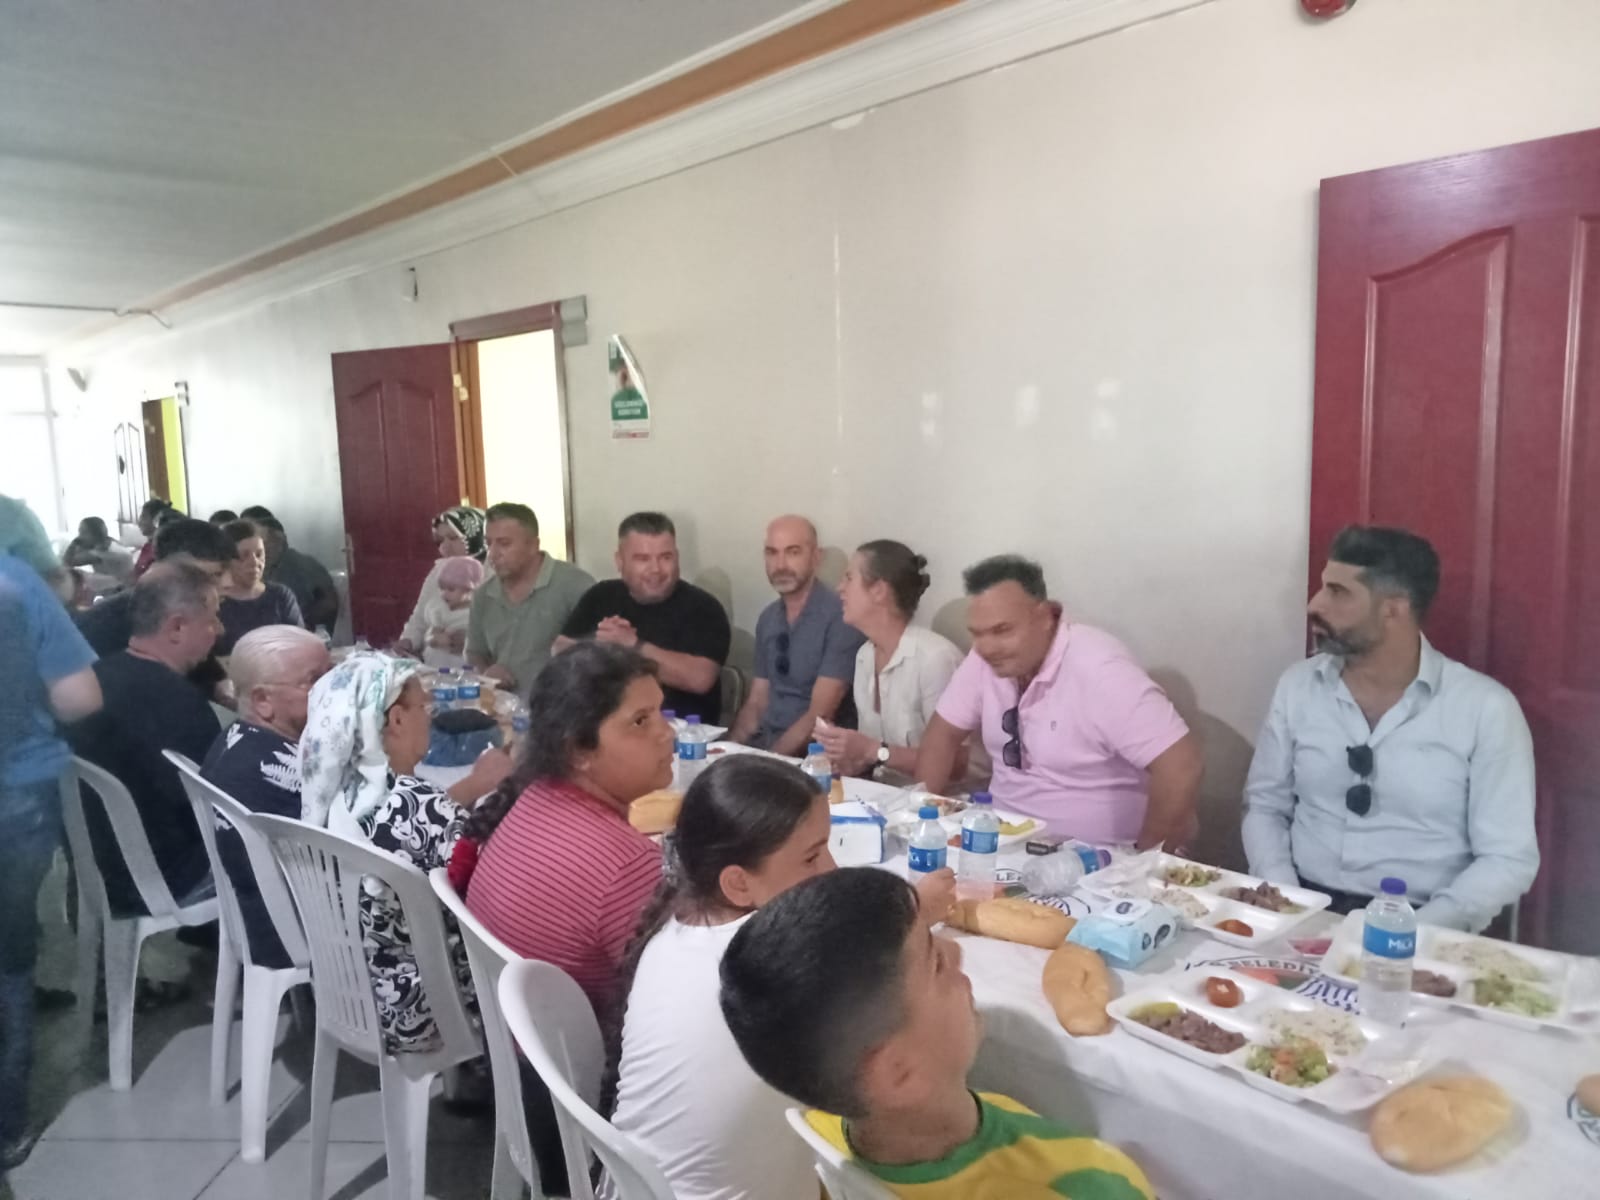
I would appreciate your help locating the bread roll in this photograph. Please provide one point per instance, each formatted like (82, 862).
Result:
(1589, 1093)
(1078, 986)
(655, 812)
(1437, 1123)
(1012, 920)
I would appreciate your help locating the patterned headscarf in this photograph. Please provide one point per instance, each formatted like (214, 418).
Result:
(468, 524)
(344, 770)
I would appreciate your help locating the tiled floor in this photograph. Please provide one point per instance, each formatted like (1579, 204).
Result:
(163, 1140)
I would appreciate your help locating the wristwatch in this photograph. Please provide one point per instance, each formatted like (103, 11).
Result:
(883, 754)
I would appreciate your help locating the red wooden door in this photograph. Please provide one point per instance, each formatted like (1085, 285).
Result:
(1458, 394)
(398, 469)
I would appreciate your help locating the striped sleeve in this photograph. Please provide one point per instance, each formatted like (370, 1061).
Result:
(636, 878)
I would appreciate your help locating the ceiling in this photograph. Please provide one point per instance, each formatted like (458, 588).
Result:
(147, 142)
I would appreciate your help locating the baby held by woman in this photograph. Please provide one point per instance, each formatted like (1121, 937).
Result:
(446, 612)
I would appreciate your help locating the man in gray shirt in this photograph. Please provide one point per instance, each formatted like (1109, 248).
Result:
(518, 613)
(805, 653)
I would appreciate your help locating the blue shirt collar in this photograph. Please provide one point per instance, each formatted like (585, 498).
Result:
(1430, 667)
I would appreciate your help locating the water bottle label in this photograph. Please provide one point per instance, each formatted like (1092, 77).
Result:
(691, 751)
(1386, 943)
(824, 782)
(974, 842)
(925, 860)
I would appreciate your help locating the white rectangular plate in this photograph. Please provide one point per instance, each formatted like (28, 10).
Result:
(1397, 1056)
(1566, 978)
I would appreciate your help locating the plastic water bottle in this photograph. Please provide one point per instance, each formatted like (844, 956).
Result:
(1053, 874)
(521, 722)
(817, 766)
(1388, 946)
(672, 719)
(980, 849)
(691, 752)
(444, 691)
(928, 844)
(469, 692)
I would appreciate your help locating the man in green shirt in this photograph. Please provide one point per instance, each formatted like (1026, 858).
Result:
(521, 610)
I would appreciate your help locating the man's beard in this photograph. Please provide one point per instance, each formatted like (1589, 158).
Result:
(1342, 645)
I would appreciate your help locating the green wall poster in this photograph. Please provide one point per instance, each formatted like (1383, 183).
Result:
(630, 406)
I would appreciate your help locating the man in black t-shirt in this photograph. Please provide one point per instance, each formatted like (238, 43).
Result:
(149, 707)
(108, 625)
(682, 628)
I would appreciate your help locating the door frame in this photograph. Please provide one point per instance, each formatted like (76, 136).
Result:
(464, 337)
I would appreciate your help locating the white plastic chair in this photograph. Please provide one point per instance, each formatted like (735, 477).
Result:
(325, 873)
(841, 1177)
(514, 1162)
(552, 1021)
(264, 987)
(121, 938)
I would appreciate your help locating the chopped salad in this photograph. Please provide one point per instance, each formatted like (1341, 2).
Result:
(1495, 990)
(1293, 1062)
(1189, 875)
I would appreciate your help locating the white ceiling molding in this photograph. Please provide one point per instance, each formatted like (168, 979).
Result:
(945, 46)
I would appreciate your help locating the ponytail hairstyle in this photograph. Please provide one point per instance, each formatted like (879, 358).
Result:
(737, 813)
(571, 698)
(905, 572)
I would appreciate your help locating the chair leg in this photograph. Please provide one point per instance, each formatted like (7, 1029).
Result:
(88, 985)
(122, 942)
(405, 1129)
(263, 997)
(507, 1182)
(227, 992)
(324, 1068)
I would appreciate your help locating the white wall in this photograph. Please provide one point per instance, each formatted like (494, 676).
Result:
(1064, 308)
(523, 457)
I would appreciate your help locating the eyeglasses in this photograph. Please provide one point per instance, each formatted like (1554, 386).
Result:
(783, 654)
(1011, 726)
(1359, 798)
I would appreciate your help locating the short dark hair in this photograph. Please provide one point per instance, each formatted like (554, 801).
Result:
(168, 515)
(273, 524)
(165, 589)
(222, 516)
(814, 982)
(1006, 568)
(256, 512)
(896, 564)
(197, 539)
(153, 507)
(97, 526)
(240, 531)
(1392, 561)
(510, 511)
(651, 524)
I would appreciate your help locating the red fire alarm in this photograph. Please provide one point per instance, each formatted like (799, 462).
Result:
(1322, 9)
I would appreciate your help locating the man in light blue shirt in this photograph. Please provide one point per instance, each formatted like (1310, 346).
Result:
(1381, 756)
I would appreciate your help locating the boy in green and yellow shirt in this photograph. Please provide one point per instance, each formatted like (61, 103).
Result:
(840, 996)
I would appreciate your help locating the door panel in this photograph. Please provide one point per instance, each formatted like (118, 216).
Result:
(1458, 394)
(398, 468)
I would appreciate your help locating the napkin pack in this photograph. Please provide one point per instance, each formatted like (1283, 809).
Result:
(857, 838)
(1127, 931)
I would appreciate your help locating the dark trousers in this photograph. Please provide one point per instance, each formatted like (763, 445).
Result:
(539, 1110)
(30, 830)
(1343, 902)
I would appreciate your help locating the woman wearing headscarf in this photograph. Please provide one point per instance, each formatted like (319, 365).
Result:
(459, 533)
(367, 728)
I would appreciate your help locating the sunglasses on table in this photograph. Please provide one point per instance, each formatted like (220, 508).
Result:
(1359, 798)
(1011, 726)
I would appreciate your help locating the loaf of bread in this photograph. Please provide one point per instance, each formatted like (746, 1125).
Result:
(1589, 1093)
(1078, 986)
(655, 812)
(1437, 1123)
(1013, 920)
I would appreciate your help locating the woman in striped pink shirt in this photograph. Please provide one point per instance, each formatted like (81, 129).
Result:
(560, 875)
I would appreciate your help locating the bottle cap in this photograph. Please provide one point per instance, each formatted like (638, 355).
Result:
(669, 714)
(816, 748)
(1393, 887)
(982, 798)
(692, 720)
(928, 812)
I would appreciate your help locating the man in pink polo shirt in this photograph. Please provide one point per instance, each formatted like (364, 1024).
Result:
(1082, 739)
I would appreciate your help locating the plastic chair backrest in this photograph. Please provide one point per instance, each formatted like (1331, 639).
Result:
(128, 828)
(734, 690)
(843, 1179)
(211, 805)
(326, 873)
(488, 956)
(552, 1021)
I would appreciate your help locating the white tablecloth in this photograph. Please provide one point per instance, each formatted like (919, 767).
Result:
(1201, 1135)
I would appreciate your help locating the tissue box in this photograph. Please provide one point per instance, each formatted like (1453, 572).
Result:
(857, 836)
(1127, 932)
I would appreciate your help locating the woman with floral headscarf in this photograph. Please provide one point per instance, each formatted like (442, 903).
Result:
(367, 728)
(459, 533)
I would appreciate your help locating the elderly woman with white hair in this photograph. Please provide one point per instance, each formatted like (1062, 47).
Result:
(367, 728)
(256, 760)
